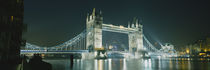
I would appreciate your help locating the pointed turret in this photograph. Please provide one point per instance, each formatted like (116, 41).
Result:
(137, 21)
(87, 19)
(133, 26)
(128, 24)
(94, 12)
(100, 12)
(137, 25)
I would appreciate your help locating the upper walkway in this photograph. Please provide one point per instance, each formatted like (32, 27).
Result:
(118, 29)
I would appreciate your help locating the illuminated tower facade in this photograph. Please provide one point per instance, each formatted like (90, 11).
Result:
(94, 27)
(135, 38)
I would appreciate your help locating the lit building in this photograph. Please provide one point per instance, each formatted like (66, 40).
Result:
(205, 45)
(199, 48)
(207, 48)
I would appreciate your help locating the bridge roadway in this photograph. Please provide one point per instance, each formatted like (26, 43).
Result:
(52, 51)
(64, 51)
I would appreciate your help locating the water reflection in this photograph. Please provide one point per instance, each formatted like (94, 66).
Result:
(99, 64)
(131, 64)
(148, 64)
(110, 64)
(124, 65)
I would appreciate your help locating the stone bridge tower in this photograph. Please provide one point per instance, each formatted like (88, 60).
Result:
(94, 23)
(135, 38)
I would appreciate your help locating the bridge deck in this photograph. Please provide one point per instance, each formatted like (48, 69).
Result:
(53, 51)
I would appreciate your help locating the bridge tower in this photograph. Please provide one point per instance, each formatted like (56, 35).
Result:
(135, 38)
(94, 23)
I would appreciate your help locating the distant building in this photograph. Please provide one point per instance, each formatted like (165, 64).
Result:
(168, 48)
(193, 49)
(11, 29)
(198, 48)
(207, 47)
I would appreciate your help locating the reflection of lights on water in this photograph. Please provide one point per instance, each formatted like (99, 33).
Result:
(170, 63)
(159, 63)
(145, 62)
(124, 64)
(96, 64)
(81, 63)
(106, 64)
(110, 64)
(142, 60)
(189, 65)
(202, 59)
(182, 58)
(148, 63)
(78, 63)
(100, 65)
(159, 57)
(188, 59)
(177, 63)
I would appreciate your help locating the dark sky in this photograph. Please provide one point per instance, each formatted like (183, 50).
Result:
(179, 22)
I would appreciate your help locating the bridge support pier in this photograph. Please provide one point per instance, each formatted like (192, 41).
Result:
(100, 54)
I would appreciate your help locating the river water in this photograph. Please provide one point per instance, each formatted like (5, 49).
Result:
(131, 64)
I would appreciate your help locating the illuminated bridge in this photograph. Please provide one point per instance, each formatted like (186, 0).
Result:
(91, 38)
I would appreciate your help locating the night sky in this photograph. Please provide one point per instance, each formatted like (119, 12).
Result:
(180, 22)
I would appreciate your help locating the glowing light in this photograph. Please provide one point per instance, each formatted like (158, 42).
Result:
(12, 18)
(121, 26)
(100, 65)
(145, 62)
(159, 57)
(110, 64)
(205, 50)
(124, 64)
(95, 63)
(201, 54)
(150, 63)
(188, 50)
(42, 55)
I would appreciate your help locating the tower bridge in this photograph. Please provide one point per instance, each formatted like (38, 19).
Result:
(91, 38)
(95, 24)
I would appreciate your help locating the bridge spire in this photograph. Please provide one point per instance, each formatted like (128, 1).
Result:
(128, 24)
(137, 23)
(87, 18)
(132, 26)
(100, 12)
(94, 12)
(94, 27)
